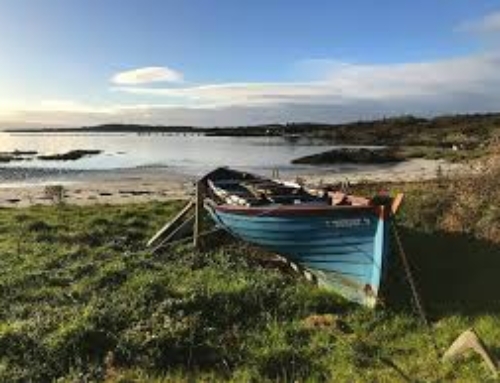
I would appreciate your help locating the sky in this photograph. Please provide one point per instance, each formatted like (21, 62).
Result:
(229, 62)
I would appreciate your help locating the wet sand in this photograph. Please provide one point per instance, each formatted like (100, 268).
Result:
(21, 187)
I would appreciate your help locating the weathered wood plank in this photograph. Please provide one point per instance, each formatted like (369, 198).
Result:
(182, 231)
(468, 341)
(171, 226)
(396, 203)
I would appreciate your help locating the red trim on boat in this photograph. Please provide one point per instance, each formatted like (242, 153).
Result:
(294, 210)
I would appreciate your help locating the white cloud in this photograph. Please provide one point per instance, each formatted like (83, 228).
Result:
(342, 92)
(486, 24)
(349, 83)
(147, 75)
(231, 94)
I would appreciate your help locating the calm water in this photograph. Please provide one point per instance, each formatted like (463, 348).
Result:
(190, 154)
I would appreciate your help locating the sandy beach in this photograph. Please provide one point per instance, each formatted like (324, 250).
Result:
(21, 187)
(408, 171)
(111, 187)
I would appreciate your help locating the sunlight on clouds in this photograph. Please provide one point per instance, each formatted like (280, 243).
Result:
(147, 75)
(70, 106)
(345, 83)
(6, 112)
(230, 94)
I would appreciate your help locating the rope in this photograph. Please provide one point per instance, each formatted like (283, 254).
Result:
(413, 286)
(409, 274)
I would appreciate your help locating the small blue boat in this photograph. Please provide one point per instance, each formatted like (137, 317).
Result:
(341, 240)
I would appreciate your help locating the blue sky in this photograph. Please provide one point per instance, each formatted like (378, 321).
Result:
(223, 62)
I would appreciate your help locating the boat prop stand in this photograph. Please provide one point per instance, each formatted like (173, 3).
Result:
(187, 224)
(181, 233)
(201, 192)
(169, 231)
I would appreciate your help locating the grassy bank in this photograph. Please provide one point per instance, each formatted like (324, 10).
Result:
(391, 155)
(82, 301)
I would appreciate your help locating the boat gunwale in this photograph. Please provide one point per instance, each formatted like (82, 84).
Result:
(285, 210)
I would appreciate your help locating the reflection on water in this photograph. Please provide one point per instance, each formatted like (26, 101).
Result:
(191, 154)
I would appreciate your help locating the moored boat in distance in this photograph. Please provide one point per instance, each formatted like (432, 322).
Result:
(342, 240)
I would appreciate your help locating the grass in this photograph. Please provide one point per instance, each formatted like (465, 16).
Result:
(442, 153)
(82, 301)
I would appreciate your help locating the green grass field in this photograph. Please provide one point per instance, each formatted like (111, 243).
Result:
(81, 300)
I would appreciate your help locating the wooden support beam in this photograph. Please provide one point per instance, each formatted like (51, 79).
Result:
(198, 217)
(171, 226)
(181, 232)
(396, 203)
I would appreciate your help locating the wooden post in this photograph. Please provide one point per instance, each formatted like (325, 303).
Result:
(200, 196)
(396, 203)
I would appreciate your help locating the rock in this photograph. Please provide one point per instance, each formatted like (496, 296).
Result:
(72, 155)
(348, 155)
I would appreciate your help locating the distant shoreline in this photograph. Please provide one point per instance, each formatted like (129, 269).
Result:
(471, 132)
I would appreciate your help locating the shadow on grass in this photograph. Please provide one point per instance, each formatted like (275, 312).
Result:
(455, 273)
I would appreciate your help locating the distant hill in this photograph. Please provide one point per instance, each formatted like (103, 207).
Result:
(107, 128)
(465, 131)
(468, 130)
(16, 126)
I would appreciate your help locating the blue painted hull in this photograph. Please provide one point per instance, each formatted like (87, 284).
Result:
(345, 248)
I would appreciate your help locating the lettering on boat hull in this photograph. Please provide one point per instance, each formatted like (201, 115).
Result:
(348, 223)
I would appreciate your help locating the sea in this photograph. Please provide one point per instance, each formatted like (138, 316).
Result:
(188, 153)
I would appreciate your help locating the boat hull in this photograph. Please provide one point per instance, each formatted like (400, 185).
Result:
(345, 248)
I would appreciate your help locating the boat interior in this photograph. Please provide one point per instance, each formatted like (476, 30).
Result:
(245, 189)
